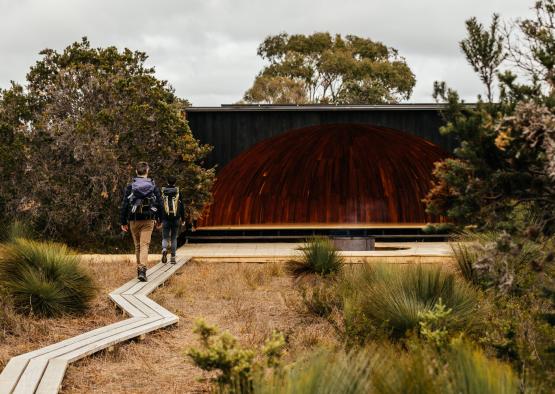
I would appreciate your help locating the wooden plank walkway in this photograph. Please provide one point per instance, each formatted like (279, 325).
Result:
(42, 371)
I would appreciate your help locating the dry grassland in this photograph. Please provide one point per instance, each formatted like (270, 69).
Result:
(249, 300)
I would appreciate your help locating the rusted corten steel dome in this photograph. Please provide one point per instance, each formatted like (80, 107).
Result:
(327, 174)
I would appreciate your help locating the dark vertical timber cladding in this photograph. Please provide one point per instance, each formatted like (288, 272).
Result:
(233, 131)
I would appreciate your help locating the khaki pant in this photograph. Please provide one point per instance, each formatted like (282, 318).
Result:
(141, 230)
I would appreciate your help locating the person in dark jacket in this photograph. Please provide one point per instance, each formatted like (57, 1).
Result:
(174, 217)
(141, 210)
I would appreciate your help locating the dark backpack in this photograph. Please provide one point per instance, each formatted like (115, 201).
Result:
(170, 200)
(142, 199)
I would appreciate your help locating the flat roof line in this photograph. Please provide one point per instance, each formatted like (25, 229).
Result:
(319, 107)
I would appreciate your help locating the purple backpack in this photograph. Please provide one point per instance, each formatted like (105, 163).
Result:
(142, 198)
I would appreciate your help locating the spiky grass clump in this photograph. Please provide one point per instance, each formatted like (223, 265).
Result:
(323, 372)
(386, 369)
(318, 256)
(394, 298)
(44, 278)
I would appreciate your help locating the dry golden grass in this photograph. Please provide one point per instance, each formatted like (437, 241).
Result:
(21, 334)
(249, 300)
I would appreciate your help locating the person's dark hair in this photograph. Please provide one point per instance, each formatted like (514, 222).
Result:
(142, 168)
(171, 180)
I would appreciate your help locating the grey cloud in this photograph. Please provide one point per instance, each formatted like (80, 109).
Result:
(207, 49)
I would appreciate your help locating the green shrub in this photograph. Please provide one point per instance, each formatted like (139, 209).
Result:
(237, 365)
(44, 278)
(318, 256)
(392, 298)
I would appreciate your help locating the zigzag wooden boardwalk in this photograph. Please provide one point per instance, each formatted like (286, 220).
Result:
(42, 371)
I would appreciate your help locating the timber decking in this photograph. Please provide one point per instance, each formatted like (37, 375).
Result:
(42, 371)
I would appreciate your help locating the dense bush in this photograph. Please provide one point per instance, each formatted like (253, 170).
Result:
(44, 278)
(319, 256)
(83, 120)
(517, 274)
(392, 299)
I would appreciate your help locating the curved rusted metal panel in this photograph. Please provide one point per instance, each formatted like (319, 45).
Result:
(327, 174)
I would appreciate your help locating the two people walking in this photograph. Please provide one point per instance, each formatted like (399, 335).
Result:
(145, 207)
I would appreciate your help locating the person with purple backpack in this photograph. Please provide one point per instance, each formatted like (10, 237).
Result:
(141, 211)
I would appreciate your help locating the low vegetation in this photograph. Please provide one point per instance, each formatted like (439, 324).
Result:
(393, 298)
(44, 278)
(318, 256)
(236, 365)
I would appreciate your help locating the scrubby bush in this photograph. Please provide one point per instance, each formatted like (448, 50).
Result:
(517, 274)
(319, 256)
(44, 278)
(392, 299)
(236, 365)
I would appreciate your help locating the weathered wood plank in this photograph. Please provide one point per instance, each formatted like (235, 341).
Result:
(33, 373)
(152, 278)
(156, 307)
(53, 376)
(11, 374)
(135, 281)
(126, 306)
(123, 336)
(78, 338)
(150, 286)
(141, 305)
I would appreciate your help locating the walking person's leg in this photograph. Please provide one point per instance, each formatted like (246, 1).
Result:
(135, 235)
(146, 233)
(141, 231)
(174, 233)
(136, 228)
(166, 229)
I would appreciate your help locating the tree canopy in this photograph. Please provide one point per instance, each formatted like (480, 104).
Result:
(321, 68)
(83, 120)
(506, 157)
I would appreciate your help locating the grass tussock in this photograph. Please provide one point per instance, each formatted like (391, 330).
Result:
(318, 256)
(393, 298)
(44, 278)
(386, 369)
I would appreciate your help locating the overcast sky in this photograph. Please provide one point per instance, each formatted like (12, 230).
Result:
(206, 49)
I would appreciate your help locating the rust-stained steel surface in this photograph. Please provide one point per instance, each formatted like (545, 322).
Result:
(339, 173)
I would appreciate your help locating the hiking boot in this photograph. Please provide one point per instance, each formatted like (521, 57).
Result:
(164, 256)
(172, 260)
(141, 274)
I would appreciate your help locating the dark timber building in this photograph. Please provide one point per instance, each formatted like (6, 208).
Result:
(320, 165)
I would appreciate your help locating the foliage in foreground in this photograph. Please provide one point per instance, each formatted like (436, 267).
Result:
(459, 368)
(506, 153)
(319, 256)
(44, 278)
(517, 275)
(393, 299)
(236, 365)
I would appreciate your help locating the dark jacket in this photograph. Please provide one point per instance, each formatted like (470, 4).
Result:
(180, 206)
(125, 211)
